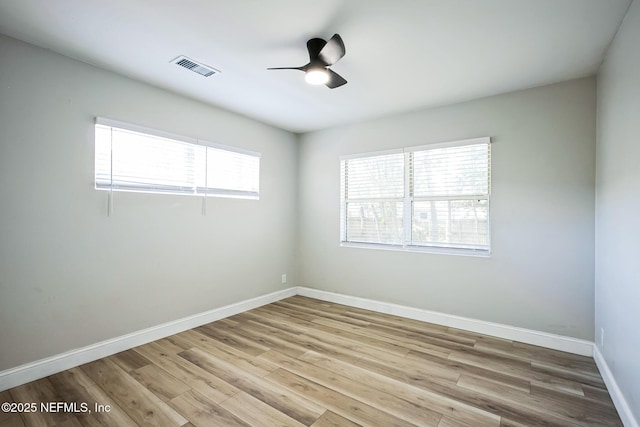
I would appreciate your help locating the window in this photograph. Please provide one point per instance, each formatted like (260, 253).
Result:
(131, 158)
(433, 198)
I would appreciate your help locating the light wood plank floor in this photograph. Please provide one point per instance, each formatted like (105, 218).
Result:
(304, 362)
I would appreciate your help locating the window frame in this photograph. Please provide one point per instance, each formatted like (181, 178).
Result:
(409, 199)
(198, 191)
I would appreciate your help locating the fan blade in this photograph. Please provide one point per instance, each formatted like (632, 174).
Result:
(335, 80)
(287, 68)
(314, 46)
(332, 51)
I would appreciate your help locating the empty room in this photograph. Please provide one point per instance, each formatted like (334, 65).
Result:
(320, 213)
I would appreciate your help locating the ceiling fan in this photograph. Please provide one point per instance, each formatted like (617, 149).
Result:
(322, 55)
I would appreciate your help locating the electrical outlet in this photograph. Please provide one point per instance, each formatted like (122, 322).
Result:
(284, 279)
(602, 338)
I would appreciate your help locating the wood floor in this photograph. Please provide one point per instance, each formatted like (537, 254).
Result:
(304, 362)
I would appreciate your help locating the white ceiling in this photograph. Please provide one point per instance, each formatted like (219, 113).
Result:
(401, 55)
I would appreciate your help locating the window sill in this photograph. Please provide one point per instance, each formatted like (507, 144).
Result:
(420, 249)
(179, 193)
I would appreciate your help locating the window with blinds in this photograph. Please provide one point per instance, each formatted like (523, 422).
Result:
(131, 158)
(433, 197)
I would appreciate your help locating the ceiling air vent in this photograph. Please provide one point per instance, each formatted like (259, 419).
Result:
(190, 64)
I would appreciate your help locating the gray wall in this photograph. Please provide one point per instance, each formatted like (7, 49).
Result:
(70, 275)
(540, 275)
(617, 294)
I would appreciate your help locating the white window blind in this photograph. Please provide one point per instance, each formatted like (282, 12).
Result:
(430, 197)
(130, 158)
(373, 189)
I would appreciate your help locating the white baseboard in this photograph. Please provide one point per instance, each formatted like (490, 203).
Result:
(528, 336)
(51, 365)
(624, 410)
(39, 369)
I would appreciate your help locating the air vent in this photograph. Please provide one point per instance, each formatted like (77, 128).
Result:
(190, 64)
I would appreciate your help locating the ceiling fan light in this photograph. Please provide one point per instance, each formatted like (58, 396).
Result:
(317, 76)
